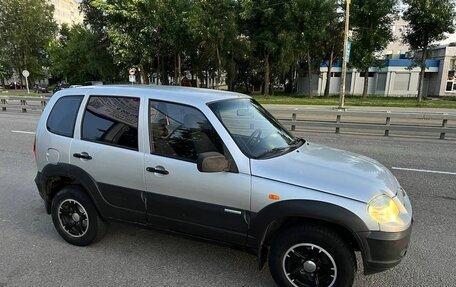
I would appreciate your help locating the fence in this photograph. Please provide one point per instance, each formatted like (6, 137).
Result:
(23, 103)
(308, 118)
(366, 121)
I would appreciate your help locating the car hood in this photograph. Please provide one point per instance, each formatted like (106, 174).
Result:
(329, 170)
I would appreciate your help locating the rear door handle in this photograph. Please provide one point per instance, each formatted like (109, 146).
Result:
(159, 171)
(82, 155)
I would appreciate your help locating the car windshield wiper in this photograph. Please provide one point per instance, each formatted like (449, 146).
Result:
(297, 142)
(273, 151)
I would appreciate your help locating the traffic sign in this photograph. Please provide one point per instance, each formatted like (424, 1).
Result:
(132, 71)
(26, 74)
(132, 79)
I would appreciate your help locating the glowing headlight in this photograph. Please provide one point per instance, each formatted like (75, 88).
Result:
(383, 209)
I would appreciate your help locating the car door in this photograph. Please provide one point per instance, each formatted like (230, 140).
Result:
(107, 148)
(180, 197)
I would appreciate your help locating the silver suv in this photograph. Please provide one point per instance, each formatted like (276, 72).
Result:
(217, 165)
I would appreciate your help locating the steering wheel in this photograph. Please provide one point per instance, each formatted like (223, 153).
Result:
(254, 137)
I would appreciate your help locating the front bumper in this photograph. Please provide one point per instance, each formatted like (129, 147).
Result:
(383, 250)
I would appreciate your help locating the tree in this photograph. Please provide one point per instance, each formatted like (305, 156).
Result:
(372, 21)
(429, 21)
(263, 20)
(214, 29)
(78, 55)
(333, 46)
(311, 20)
(130, 26)
(26, 28)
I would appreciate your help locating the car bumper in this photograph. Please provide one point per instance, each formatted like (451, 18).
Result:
(383, 250)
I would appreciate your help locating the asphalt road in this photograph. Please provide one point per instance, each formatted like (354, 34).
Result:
(33, 254)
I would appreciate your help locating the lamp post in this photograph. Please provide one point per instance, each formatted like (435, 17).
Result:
(344, 63)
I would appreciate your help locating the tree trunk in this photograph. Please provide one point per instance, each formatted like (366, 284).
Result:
(266, 73)
(309, 74)
(328, 74)
(366, 83)
(422, 72)
(145, 73)
(179, 71)
(158, 70)
(164, 75)
(176, 69)
(219, 66)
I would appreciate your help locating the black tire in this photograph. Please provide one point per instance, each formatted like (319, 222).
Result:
(315, 245)
(71, 206)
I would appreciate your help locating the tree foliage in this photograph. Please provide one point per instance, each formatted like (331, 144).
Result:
(372, 22)
(26, 28)
(429, 21)
(79, 55)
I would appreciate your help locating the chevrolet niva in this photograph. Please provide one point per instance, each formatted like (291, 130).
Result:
(217, 165)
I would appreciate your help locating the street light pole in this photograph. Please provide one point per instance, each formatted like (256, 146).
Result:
(344, 63)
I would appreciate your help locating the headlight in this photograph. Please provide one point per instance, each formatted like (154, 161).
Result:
(383, 209)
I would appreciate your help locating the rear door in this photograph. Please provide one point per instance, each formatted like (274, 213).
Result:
(107, 148)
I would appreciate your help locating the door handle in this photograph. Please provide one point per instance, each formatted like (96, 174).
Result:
(160, 171)
(82, 155)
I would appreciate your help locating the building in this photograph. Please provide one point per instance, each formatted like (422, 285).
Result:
(397, 47)
(67, 12)
(443, 83)
(396, 78)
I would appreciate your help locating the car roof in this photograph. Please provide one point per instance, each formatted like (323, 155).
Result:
(186, 95)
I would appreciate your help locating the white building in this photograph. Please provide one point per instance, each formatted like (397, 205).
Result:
(395, 79)
(67, 12)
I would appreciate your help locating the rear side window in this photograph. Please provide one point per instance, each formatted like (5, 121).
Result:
(62, 118)
(112, 121)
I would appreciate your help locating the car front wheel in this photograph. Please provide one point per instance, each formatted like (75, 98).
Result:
(75, 217)
(311, 255)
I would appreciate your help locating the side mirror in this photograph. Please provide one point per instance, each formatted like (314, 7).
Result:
(212, 162)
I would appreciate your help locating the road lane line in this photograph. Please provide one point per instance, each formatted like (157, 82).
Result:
(23, 132)
(424, 170)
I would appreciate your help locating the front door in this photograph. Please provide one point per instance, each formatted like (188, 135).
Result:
(107, 148)
(214, 205)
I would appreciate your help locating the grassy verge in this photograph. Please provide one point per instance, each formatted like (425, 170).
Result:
(20, 93)
(354, 101)
(447, 103)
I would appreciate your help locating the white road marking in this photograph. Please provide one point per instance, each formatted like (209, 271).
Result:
(424, 170)
(23, 132)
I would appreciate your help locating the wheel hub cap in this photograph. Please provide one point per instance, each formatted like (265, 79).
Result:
(307, 264)
(310, 266)
(76, 217)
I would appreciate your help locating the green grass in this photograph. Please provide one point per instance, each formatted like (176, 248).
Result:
(19, 93)
(354, 101)
(448, 103)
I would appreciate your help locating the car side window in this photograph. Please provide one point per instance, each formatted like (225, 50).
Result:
(181, 132)
(112, 121)
(62, 118)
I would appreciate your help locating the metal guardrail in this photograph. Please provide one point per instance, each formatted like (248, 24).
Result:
(23, 103)
(292, 121)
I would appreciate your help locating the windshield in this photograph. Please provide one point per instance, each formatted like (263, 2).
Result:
(257, 133)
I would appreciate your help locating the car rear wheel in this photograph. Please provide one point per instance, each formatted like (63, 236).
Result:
(75, 217)
(311, 256)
